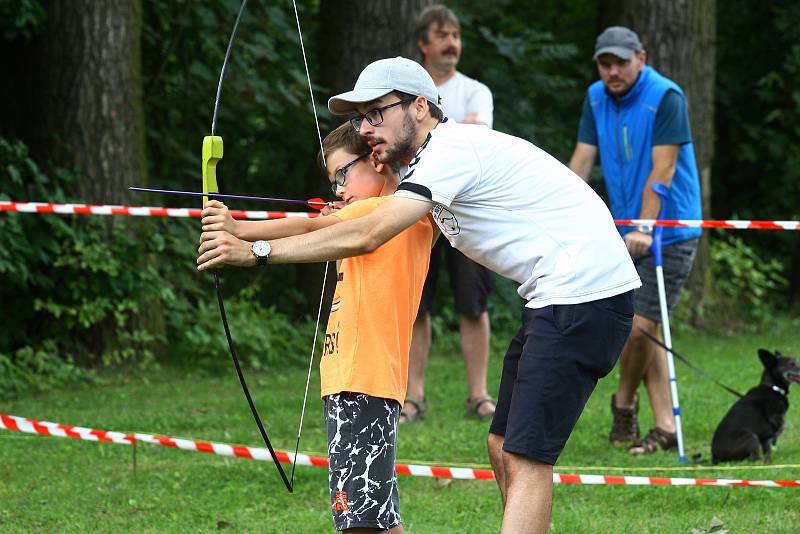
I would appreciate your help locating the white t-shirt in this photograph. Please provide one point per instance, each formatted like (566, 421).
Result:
(512, 207)
(461, 95)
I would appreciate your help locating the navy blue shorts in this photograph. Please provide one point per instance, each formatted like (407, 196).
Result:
(551, 368)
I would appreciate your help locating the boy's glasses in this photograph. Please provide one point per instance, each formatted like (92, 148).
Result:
(340, 175)
(375, 116)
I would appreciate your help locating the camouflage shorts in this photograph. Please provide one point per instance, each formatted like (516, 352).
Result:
(362, 443)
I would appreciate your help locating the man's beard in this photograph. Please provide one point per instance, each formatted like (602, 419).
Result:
(403, 149)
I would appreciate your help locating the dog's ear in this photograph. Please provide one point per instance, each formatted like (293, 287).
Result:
(768, 359)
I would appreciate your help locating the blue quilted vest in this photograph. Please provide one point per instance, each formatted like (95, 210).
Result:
(625, 138)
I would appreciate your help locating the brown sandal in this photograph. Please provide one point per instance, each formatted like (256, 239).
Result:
(657, 437)
(625, 428)
(473, 407)
(420, 410)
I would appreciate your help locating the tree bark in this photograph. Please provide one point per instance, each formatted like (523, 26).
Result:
(354, 34)
(89, 112)
(680, 40)
(78, 91)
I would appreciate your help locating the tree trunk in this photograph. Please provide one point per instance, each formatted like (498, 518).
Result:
(680, 40)
(78, 91)
(354, 34)
(89, 113)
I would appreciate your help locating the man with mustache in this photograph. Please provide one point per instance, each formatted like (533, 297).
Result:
(637, 121)
(515, 209)
(468, 101)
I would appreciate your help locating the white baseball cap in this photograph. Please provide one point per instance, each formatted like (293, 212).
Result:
(381, 78)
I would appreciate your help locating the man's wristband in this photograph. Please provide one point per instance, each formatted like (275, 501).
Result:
(644, 228)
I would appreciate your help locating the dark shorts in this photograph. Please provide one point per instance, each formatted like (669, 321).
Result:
(551, 369)
(677, 260)
(471, 282)
(362, 445)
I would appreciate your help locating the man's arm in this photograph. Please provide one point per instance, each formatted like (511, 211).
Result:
(481, 107)
(582, 160)
(345, 239)
(585, 154)
(665, 159)
(216, 217)
(278, 228)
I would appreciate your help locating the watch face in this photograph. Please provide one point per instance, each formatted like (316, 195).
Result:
(261, 249)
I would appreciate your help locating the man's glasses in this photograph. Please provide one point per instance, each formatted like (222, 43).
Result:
(375, 116)
(340, 175)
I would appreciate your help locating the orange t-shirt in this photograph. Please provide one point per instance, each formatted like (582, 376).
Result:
(374, 307)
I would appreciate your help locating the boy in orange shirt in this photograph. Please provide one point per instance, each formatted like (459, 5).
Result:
(364, 367)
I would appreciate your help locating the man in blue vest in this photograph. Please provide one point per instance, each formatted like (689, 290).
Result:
(637, 121)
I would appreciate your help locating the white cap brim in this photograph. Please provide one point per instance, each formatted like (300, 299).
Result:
(347, 102)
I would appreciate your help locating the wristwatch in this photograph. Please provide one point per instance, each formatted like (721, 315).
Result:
(644, 228)
(261, 250)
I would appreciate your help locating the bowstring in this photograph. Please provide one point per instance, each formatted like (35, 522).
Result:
(327, 263)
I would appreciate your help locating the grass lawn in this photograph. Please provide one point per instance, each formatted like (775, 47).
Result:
(64, 485)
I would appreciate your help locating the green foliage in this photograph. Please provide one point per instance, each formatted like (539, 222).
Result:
(757, 164)
(747, 286)
(264, 336)
(531, 59)
(40, 367)
(21, 18)
(90, 291)
(68, 281)
(265, 116)
(265, 112)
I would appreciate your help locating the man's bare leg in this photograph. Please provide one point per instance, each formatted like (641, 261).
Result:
(418, 360)
(657, 380)
(634, 362)
(529, 495)
(475, 332)
(495, 445)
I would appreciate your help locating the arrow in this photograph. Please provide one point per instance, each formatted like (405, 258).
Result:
(316, 203)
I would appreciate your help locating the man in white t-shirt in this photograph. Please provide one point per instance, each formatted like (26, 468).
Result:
(464, 100)
(516, 210)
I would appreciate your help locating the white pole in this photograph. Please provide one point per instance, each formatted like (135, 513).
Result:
(663, 191)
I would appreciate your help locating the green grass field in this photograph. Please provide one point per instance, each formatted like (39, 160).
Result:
(52, 484)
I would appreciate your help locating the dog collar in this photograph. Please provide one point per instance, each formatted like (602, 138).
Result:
(779, 390)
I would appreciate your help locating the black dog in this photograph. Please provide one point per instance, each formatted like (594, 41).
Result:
(752, 425)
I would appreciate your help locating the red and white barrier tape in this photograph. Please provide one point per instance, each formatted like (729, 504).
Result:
(137, 211)
(31, 426)
(142, 211)
(732, 224)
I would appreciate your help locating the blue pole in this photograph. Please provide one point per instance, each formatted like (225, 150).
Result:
(663, 192)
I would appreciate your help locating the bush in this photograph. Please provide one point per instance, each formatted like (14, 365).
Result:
(748, 289)
(91, 292)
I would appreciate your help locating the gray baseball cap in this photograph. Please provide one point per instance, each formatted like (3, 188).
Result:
(618, 40)
(381, 78)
